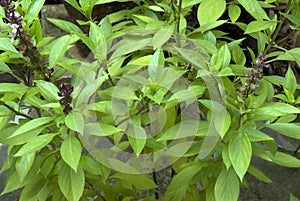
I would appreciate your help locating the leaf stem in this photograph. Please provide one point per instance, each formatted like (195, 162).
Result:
(17, 112)
(179, 15)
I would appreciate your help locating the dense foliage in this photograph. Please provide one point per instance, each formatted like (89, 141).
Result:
(167, 106)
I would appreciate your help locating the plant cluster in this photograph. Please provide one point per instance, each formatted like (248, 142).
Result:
(160, 110)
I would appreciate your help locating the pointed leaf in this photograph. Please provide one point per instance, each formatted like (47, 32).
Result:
(178, 188)
(71, 183)
(71, 151)
(287, 129)
(240, 152)
(227, 186)
(35, 144)
(30, 125)
(140, 182)
(283, 159)
(24, 164)
(75, 121)
(277, 109)
(58, 50)
(48, 90)
(293, 198)
(65, 25)
(6, 45)
(12, 87)
(210, 11)
(183, 129)
(254, 9)
(156, 63)
(260, 25)
(259, 174)
(162, 36)
(256, 135)
(35, 7)
(234, 12)
(290, 83)
(100, 129)
(137, 138)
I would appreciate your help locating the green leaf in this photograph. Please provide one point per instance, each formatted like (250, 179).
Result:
(58, 50)
(4, 67)
(163, 35)
(140, 182)
(106, 27)
(276, 109)
(71, 151)
(32, 187)
(209, 26)
(234, 12)
(90, 165)
(35, 144)
(156, 63)
(282, 159)
(99, 42)
(223, 126)
(210, 11)
(177, 189)
(71, 183)
(238, 56)
(124, 93)
(48, 165)
(194, 57)
(254, 8)
(19, 139)
(290, 83)
(225, 156)
(6, 45)
(30, 125)
(293, 198)
(137, 138)
(12, 87)
(259, 25)
(36, 31)
(222, 57)
(227, 186)
(240, 152)
(287, 129)
(100, 129)
(65, 25)
(35, 8)
(48, 90)
(186, 128)
(143, 18)
(257, 136)
(12, 182)
(23, 165)
(259, 174)
(75, 121)
(128, 45)
(156, 8)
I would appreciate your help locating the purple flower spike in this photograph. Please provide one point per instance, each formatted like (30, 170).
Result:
(65, 92)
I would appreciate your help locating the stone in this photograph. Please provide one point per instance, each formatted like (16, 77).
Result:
(56, 11)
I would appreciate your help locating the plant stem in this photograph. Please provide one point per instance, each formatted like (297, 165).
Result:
(179, 15)
(278, 28)
(17, 112)
(155, 181)
(97, 193)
